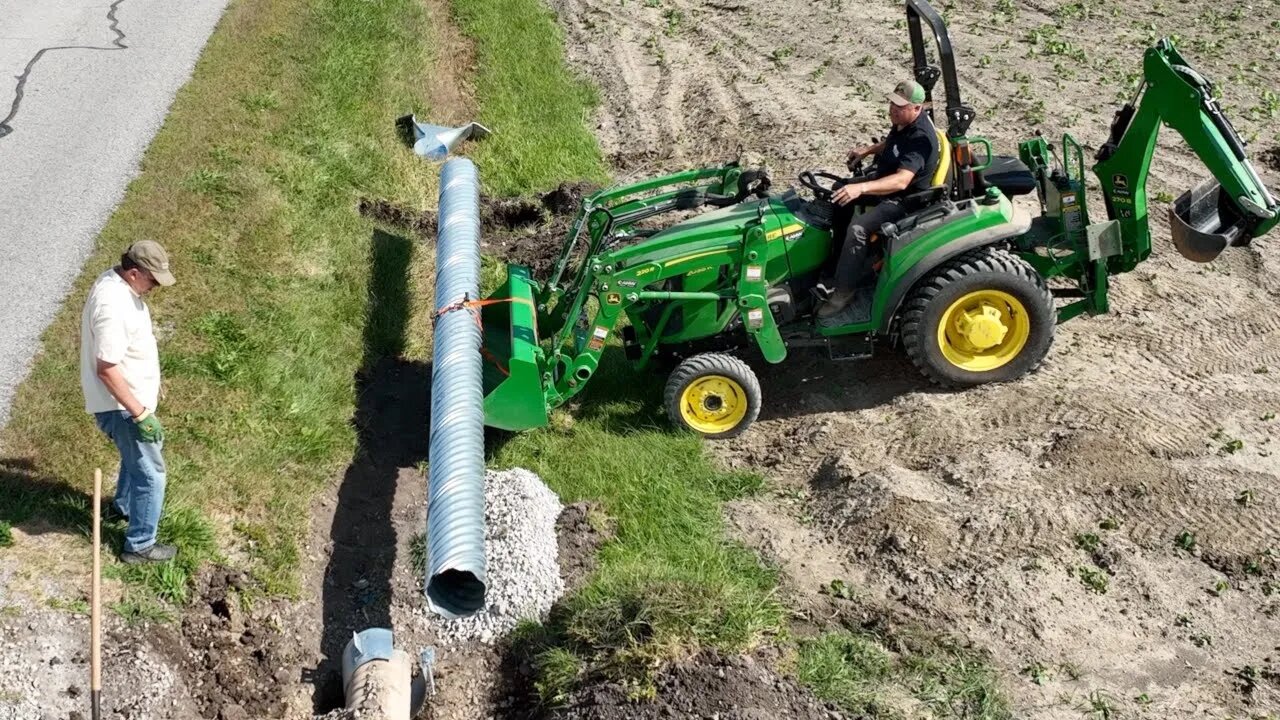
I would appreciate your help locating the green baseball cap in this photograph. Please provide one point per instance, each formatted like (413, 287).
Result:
(150, 256)
(908, 92)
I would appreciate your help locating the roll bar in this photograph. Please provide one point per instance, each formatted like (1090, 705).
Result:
(959, 116)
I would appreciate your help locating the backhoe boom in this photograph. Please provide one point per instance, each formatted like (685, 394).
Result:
(1231, 209)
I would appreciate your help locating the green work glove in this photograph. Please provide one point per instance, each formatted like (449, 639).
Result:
(149, 428)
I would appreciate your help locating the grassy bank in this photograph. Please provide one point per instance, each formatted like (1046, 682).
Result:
(670, 580)
(252, 184)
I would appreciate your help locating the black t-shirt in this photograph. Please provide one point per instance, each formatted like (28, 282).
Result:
(914, 148)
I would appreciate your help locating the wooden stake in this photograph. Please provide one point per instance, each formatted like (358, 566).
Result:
(95, 622)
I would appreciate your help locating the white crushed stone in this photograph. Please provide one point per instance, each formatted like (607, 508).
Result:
(523, 558)
(44, 670)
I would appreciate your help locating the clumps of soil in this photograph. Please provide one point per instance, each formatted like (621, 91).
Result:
(531, 232)
(527, 231)
(707, 685)
(581, 531)
(1241, 567)
(1271, 158)
(238, 662)
(886, 512)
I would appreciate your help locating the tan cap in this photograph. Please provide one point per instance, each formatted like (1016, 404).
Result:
(151, 257)
(908, 92)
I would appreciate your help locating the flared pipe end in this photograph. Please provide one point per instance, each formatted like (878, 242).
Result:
(454, 594)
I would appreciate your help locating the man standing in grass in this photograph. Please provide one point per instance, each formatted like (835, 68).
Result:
(120, 376)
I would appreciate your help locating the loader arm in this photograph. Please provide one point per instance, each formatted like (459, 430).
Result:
(1231, 208)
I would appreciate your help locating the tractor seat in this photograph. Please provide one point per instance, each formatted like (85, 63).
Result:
(1010, 175)
(939, 185)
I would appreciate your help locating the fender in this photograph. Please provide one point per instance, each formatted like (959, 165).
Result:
(1020, 224)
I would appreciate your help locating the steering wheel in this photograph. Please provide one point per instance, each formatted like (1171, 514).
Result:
(809, 179)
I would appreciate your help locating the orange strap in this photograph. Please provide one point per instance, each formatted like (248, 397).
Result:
(473, 306)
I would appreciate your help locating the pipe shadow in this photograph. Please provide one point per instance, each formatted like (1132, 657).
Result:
(392, 424)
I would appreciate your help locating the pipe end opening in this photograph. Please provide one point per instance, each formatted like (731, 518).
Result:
(455, 593)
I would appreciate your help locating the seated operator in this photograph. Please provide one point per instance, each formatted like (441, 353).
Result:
(905, 163)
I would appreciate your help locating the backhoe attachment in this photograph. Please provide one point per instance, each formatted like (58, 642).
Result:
(1230, 208)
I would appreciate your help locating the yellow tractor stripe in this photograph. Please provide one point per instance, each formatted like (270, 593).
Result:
(775, 234)
(695, 256)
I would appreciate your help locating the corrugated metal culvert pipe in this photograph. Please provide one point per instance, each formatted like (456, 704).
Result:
(455, 583)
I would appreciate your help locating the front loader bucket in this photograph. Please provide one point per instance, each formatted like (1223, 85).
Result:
(513, 398)
(1203, 221)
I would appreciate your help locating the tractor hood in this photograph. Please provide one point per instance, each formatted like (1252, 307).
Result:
(707, 231)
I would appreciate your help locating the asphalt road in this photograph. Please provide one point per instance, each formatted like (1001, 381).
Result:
(83, 88)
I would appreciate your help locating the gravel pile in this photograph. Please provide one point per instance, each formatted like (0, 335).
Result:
(520, 547)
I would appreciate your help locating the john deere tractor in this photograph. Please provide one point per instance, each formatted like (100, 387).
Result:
(962, 281)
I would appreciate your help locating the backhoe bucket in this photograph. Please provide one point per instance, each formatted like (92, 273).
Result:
(1204, 221)
(513, 398)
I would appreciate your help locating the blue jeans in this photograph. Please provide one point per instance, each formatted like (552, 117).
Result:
(140, 486)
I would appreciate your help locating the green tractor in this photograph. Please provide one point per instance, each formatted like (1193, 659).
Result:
(962, 281)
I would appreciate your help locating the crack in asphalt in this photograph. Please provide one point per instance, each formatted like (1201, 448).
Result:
(6, 127)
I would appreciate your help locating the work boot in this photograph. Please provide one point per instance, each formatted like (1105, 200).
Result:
(838, 301)
(157, 553)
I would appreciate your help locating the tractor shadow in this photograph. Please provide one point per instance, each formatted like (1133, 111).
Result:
(392, 425)
(806, 383)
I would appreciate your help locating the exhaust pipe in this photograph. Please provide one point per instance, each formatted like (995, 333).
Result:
(456, 573)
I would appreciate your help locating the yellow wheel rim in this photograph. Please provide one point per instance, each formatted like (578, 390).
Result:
(713, 404)
(983, 330)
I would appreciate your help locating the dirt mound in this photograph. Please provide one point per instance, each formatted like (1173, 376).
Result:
(239, 663)
(1271, 158)
(706, 686)
(527, 231)
(581, 530)
(531, 232)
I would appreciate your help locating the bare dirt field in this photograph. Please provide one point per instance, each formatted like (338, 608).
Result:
(1105, 526)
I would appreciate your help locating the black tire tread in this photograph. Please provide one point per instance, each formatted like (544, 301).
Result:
(979, 260)
(713, 364)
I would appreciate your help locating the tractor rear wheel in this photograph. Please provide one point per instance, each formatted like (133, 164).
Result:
(986, 316)
(714, 395)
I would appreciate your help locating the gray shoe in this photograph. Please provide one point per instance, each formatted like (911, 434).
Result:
(857, 309)
(157, 553)
(834, 305)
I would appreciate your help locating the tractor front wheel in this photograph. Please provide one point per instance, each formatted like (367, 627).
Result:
(714, 395)
(986, 316)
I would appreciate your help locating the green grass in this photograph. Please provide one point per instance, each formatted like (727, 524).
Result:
(669, 580)
(846, 668)
(860, 673)
(252, 185)
(6, 534)
(535, 106)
